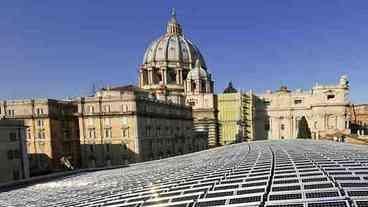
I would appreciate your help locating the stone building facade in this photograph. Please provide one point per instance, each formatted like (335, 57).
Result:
(52, 131)
(174, 70)
(235, 116)
(13, 152)
(359, 119)
(127, 124)
(325, 108)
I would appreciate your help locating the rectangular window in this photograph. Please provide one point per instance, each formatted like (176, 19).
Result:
(267, 126)
(148, 131)
(91, 109)
(16, 154)
(29, 136)
(282, 127)
(158, 131)
(298, 101)
(39, 111)
(125, 132)
(330, 96)
(40, 123)
(13, 136)
(10, 155)
(41, 134)
(92, 133)
(11, 112)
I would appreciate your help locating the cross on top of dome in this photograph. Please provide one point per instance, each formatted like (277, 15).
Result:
(173, 12)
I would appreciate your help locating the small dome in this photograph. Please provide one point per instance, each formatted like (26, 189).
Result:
(230, 88)
(198, 72)
(172, 47)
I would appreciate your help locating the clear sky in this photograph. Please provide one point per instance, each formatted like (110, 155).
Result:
(61, 48)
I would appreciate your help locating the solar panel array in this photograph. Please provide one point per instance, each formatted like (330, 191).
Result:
(296, 173)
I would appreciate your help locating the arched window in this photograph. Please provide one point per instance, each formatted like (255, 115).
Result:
(171, 75)
(193, 86)
(203, 86)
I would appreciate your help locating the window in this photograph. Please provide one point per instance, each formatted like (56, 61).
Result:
(108, 133)
(91, 109)
(148, 131)
(39, 111)
(13, 136)
(203, 86)
(282, 126)
(29, 134)
(11, 112)
(40, 123)
(41, 134)
(10, 155)
(16, 154)
(267, 103)
(330, 96)
(91, 133)
(298, 101)
(125, 132)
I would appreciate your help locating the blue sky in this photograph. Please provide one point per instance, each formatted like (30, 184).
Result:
(61, 48)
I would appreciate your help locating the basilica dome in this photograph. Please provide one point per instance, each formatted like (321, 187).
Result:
(173, 48)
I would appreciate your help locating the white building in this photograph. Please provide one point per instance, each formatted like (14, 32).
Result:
(325, 108)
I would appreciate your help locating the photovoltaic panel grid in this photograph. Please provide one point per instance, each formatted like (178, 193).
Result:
(297, 173)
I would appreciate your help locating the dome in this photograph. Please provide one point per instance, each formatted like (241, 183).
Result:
(230, 88)
(173, 47)
(198, 72)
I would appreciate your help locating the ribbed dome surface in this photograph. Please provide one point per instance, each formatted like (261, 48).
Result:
(198, 72)
(172, 47)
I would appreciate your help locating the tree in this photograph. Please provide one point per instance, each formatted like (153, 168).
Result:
(304, 131)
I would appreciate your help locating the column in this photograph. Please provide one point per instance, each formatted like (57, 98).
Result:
(181, 76)
(208, 87)
(163, 79)
(177, 76)
(150, 77)
(141, 78)
(165, 76)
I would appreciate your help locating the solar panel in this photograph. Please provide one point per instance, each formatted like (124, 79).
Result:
(298, 173)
